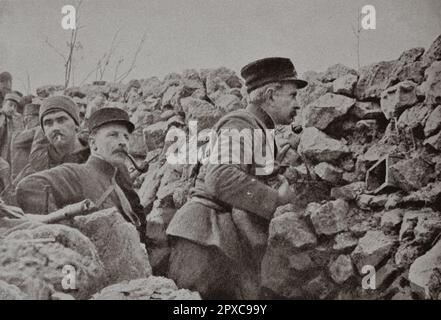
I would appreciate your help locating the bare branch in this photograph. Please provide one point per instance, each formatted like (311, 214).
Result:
(55, 49)
(135, 57)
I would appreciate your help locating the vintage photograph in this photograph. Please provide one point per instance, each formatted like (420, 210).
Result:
(220, 150)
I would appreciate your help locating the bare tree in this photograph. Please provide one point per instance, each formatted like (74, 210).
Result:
(73, 45)
(125, 74)
(357, 34)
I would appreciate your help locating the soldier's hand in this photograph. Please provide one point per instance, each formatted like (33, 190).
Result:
(286, 194)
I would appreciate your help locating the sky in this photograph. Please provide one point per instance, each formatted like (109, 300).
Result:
(184, 34)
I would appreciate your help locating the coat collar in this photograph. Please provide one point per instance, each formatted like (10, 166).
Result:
(261, 115)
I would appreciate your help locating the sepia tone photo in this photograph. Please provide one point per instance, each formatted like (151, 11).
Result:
(220, 150)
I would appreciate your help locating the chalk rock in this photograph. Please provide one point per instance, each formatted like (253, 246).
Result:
(328, 172)
(372, 249)
(425, 267)
(433, 53)
(345, 84)
(331, 217)
(414, 117)
(373, 79)
(391, 220)
(433, 123)
(432, 84)
(201, 111)
(325, 110)
(341, 269)
(33, 260)
(10, 292)
(117, 243)
(318, 146)
(412, 174)
(396, 99)
(154, 135)
(348, 192)
(151, 288)
(336, 71)
(367, 110)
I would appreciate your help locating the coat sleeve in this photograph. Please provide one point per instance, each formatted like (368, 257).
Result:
(232, 183)
(48, 190)
(39, 156)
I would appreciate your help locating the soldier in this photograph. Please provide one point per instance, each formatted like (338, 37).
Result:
(10, 122)
(22, 142)
(218, 236)
(5, 85)
(104, 178)
(57, 141)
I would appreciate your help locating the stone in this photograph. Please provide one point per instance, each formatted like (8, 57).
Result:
(341, 269)
(428, 227)
(278, 277)
(348, 192)
(154, 135)
(313, 91)
(318, 146)
(414, 117)
(117, 243)
(364, 201)
(34, 259)
(288, 231)
(336, 71)
(325, 110)
(228, 103)
(151, 288)
(372, 249)
(301, 262)
(150, 185)
(359, 229)
(319, 288)
(425, 267)
(393, 201)
(331, 217)
(433, 53)
(328, 172)
(379, 201)
(151, 87)
(10, 292)
(49, 90)
(407, 253)
(410, 220)
(432, 84)
(344, 241)
(434, 141)
(345, 84)
(373, 79)
(137, 145)
(367, 110)
(433, 123)
(396, 99)
(429, 195)
(411, 55)
(201, 111)
(391, 221)
(412, 174)
(386, 274)
(413, 71)
(228, 76)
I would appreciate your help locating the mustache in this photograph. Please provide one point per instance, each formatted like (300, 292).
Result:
(120, 150)
(55, 134)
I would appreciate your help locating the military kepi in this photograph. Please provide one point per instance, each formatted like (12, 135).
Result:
(109, 115)
(261, 72)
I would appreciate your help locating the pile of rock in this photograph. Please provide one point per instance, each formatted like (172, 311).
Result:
(366, 219)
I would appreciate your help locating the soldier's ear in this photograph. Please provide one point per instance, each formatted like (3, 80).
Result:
(269, 93)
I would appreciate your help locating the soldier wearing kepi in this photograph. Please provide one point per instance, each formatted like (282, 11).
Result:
(22, 142)
(57, 141)
(104, 173)
(218, 234)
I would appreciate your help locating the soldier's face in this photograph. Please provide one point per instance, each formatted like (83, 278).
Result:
(60, 129)
(9, 107)
(110, 142)
(284, 106)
